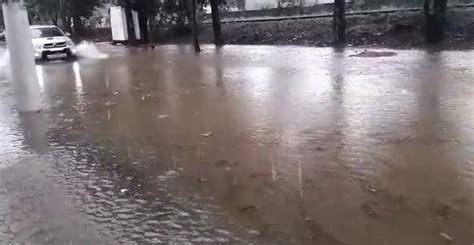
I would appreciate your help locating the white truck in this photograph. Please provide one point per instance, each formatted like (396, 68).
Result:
(49, 40)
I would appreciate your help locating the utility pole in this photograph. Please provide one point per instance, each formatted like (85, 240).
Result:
(22, 61)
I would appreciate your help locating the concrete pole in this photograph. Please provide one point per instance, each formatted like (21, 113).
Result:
(22, 61)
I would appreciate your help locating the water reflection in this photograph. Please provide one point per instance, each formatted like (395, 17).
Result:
(39, 73)
(300, 179)
(35, 131)
(219, 71)
(77, 78)
(338, 71)
(428, 96)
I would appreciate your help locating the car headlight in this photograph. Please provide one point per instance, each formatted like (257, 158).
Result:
(70, 43)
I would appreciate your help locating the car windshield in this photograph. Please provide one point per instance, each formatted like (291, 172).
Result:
(46, 32)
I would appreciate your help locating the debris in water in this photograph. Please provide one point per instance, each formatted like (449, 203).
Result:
(202, 179)
(223, 163)
(371, 189)
(172, 173)
(367, 207)
(110, 104)
(446, 237)
(116, 92)
(146, 96)
(123, 190)
(207, 134)
(162, 116)
(374, 54)
(152, 234)
(249, 208)
(254, 232)
(200, 153)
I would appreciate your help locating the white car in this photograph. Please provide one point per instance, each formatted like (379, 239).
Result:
(51, 40)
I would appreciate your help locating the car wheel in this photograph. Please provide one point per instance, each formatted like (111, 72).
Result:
(70, 56)
(44, 57)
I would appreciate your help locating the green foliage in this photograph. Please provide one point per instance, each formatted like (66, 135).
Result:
(44, 11)
(83, 8)
(51, 11)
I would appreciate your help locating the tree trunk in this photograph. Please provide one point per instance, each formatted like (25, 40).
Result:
(150, 28)
(339, 24)
(435, 17)
(143, 20)
(76, 19)
(216, 23)
(65, 17)
(144, 13)
(301, 7)
(66, 23)
(130, 25)
(279, 8)
(56, 14)
(56, 20)
(197, 48)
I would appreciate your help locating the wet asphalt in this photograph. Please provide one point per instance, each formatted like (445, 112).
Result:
(242, 145)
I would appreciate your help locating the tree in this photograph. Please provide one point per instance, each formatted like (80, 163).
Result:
(239, 4)
(301, 5)
(69, 12)
(147, 9)
(197, 47)
(339, 25)
(216, 22)
(130, 25)
(44, 10)
(435, 17)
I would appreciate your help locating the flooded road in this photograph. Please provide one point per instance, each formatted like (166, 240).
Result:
(242, 145)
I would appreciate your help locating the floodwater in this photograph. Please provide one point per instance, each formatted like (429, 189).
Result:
(242, 145)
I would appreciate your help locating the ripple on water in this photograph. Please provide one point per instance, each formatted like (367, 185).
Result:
(132, 215)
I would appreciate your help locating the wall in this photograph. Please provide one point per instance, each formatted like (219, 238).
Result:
(260, 4)
(368, 4)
